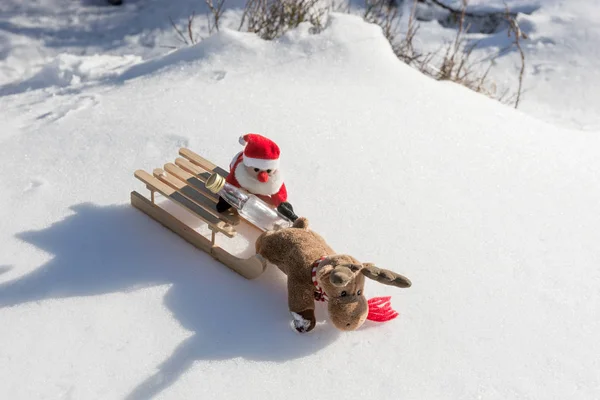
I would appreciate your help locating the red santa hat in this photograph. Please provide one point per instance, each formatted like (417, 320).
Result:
(260, 152)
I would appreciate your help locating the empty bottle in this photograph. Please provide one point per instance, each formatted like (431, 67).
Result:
(248, 205)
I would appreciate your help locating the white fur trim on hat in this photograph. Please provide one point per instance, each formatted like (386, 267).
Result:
(242, 141)
(261, 163)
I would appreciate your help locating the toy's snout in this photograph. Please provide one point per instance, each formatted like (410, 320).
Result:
(348, 313)
(263, 176)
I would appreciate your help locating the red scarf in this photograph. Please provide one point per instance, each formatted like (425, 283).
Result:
(380, 308)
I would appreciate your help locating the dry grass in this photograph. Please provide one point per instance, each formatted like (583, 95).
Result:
(272, 18)
(267, 18)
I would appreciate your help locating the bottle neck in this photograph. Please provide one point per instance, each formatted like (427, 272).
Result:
(233, 195)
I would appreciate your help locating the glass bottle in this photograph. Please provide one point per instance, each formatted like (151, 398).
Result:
(248, 205)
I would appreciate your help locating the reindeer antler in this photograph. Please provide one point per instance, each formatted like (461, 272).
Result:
(385, 276)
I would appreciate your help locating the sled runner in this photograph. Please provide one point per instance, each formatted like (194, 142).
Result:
(182, 183)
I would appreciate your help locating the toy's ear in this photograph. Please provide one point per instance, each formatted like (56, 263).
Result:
(343, 274)
(385, 276)
(301, 223)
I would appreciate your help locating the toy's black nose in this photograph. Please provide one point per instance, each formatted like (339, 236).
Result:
(348, 324)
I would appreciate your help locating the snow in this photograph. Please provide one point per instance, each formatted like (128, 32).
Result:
(491, 212)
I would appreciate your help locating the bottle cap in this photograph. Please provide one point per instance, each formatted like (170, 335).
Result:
(215, 183)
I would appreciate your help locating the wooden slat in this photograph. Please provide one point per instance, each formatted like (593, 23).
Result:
(186, 203)
(193, 169)
(191, 180)
(231, 214)
(194, 195)
(154, 183)
(202, 162)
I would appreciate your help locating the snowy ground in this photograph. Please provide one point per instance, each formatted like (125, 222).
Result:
(492, 213)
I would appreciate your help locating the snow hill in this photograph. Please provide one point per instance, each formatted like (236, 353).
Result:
(492, 214)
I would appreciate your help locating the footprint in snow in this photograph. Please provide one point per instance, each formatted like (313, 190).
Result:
(45, 115)
(543, 68)
(67, 106)
(34, 185)
(218, 75)
(178, 141)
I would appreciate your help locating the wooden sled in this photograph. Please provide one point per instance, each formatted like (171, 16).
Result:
(182, 183)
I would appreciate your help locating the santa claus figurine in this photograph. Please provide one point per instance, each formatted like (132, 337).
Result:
(256, 170)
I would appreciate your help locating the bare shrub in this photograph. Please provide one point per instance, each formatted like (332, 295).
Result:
(272, 18)
(189, 37)
(384, 14)
(457, 64)
(214, 18)
(267, 18)
(405, 49)
(454, 61)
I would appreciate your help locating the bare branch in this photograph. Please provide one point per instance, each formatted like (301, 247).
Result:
(189, 27)
(216, 12)
(515, 29)
(181, 35)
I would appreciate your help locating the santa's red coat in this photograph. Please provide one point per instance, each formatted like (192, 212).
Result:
(275, 199)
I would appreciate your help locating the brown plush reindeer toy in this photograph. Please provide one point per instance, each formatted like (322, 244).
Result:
(316, 273)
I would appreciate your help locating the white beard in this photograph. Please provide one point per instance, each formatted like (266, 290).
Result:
(254, 186)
